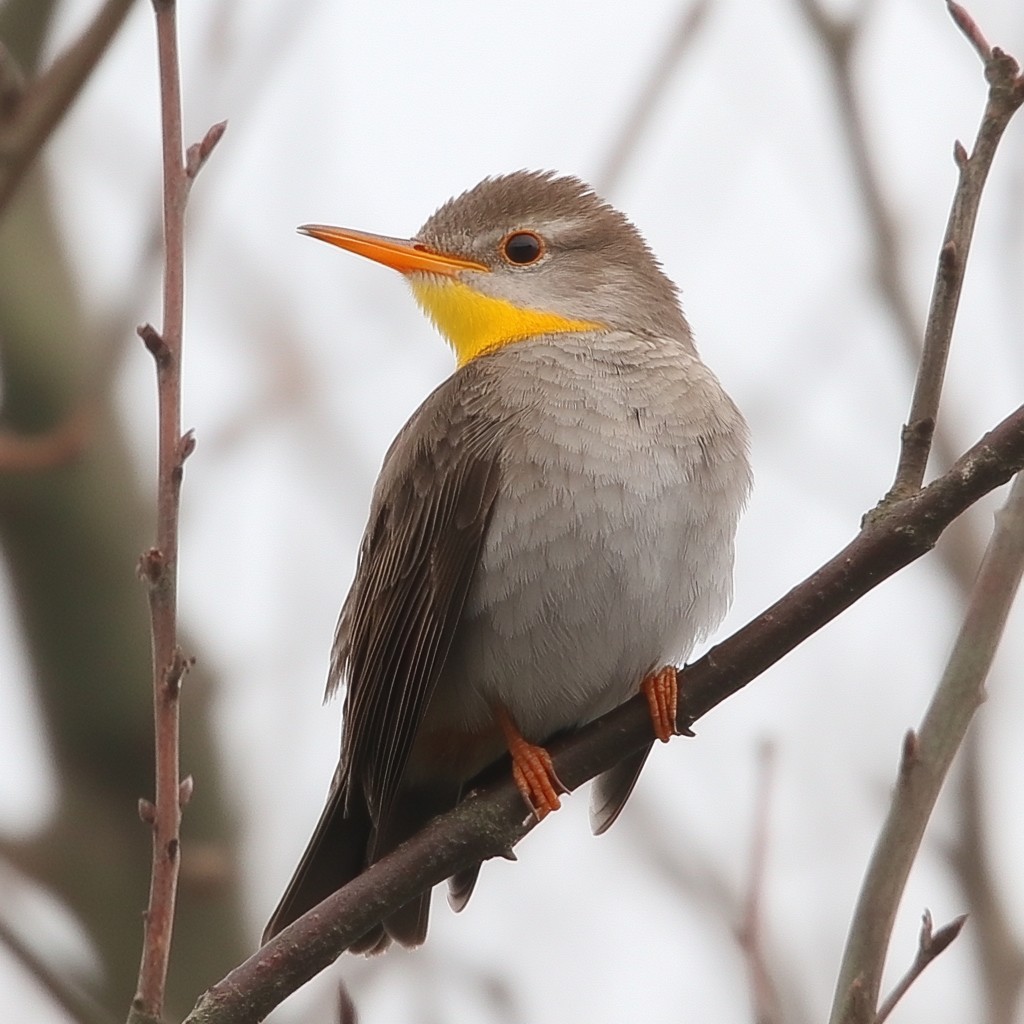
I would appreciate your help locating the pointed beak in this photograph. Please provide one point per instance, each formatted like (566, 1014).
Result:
(405, 255)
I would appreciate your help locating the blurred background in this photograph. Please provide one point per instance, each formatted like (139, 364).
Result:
(802, 228)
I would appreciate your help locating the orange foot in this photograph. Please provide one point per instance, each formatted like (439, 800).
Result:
(662, 692)
(532, 770)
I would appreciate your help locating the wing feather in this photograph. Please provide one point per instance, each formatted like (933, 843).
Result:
(428, 520)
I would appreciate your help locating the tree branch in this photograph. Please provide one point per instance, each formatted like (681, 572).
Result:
(28, 116)
(927, 755)
(999, 953)
(159, 565)
(838, 39)
(680, 42)
(77, 1004)
(903, 527)
(764, 996)
(929, 945)
(488, 823)
(1006, 94)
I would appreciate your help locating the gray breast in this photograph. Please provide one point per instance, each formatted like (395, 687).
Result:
(610, 548)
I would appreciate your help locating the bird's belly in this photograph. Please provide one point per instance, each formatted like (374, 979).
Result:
(598, 566)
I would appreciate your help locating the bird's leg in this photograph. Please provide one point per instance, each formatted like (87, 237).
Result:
(661, 689)
(532, 769)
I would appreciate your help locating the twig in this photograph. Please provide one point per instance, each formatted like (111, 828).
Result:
(970, 29)
(929, 945)
(680, 42)
(764, 996)
(488, 823)
(28, 118)
(838, 39)
(1000, 956)
(159, 566)
(927, 755)
(199, 152)
(1006, 94)
(74, 1001)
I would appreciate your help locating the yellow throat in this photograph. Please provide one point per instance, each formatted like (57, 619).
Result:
(474, 324)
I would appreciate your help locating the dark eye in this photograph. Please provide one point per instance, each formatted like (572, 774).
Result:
(522, 248)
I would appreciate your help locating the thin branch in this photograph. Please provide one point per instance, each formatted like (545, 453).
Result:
(74, 1001)
(1000, 956)
(488, 823)
(159, 566)
(970, 29)
(199, 152)
(28, 118)
(764, 996)
(1006, 94)
(929, 945)
(680, 43)
(838, 40)
(926, 758)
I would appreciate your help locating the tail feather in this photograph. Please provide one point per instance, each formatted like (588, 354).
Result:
(611, 790)
(335, 855)
(344, 843)
(461, 886)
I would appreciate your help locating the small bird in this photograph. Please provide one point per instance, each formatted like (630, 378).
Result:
(551, 531)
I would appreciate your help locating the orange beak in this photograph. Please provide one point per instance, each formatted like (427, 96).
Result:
(405, 255)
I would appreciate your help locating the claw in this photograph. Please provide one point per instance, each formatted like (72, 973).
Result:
(532, 770)
(661, 689)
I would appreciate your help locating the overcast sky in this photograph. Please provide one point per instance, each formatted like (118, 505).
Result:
(302, 362)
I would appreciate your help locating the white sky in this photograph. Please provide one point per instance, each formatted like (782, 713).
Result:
(370, 115)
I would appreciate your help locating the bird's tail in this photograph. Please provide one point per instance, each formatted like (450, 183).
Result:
(334, 856)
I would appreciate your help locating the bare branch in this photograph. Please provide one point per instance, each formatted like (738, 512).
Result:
(764, 996)
(894, 536)
(680, 43)
(488, 823)
(925, 762)
(1003, 962)
(79, 1006)
(837, 39)
(970, 29)
(1006, 93)
(159, 565)
(28, 118)
(199, 152)
(929, 946)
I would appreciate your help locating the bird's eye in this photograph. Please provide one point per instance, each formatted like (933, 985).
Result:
(522, 248)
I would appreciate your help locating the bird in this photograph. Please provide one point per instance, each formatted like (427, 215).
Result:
(551, 531)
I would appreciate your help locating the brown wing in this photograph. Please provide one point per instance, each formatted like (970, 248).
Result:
(427, 522)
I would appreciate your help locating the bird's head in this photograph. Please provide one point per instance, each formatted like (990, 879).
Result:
(526, 254)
